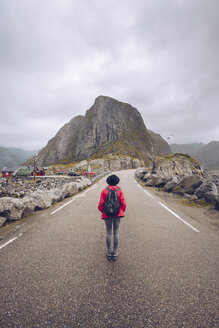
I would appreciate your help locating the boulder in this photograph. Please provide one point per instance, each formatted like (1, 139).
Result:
(83, 183)
(41, 199)
(140, 172)
(2, 221)
(146, 176)
(72, 188)
(55, 195)
(12, 208)
(187, 185)
(171, 184)
(69, 189)
(156, 180)
(209, 190)
(29, 205)
(87, 182)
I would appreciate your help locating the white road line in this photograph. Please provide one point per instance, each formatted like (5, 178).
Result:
(10, 241)
(78, 196)
(146, 192)
(178, 217)
(62, 206)
(94, 187)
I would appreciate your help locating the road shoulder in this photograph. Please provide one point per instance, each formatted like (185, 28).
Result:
(205, 214)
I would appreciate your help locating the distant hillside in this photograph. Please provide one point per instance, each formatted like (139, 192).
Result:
(207, 155)
(12, 157)
(190, 149)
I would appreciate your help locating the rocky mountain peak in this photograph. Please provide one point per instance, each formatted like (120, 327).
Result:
(110, 120)
(109, 126)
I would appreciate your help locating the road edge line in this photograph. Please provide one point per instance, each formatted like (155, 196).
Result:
(62, 207)
(179, 218)
(9, 241)
(148, 193)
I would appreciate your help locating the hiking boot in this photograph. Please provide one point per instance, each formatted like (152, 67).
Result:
(109, 256)
(114, 256)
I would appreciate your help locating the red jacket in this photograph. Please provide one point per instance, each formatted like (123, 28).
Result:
(103, 198)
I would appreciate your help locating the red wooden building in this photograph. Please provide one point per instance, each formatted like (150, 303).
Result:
(7, 172)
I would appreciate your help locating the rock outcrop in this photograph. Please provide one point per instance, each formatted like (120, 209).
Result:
(177, 165)
(111, 126)
(182, 175)
(170, 169)
(108, 127)
(160, 146)
(62, 147)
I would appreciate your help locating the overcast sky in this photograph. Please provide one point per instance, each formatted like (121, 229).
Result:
(57, 56)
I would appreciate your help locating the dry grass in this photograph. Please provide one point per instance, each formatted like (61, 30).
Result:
(196, 203)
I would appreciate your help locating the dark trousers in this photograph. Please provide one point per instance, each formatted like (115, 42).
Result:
(112, 224)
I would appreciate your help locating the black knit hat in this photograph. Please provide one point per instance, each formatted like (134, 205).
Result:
(112, 180)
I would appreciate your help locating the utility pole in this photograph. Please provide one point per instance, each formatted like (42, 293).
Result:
(34, 169)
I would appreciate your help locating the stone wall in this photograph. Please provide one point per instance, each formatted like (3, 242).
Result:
(112, 163)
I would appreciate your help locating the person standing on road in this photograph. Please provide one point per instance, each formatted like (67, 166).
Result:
(112, 222)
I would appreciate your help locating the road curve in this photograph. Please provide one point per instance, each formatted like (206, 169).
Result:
(54, 272)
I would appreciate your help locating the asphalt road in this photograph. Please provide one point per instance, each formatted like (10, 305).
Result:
(54, 272)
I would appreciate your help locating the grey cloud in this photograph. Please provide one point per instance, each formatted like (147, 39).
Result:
(57, 57)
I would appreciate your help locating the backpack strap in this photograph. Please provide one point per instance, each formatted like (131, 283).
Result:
(118, 188)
